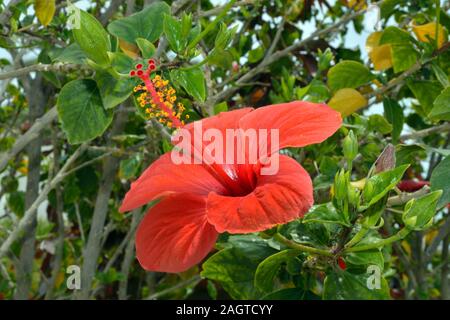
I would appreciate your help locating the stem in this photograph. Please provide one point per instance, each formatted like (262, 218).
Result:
(400, 235)
(358, 237)
(211, 26)
(301, 247)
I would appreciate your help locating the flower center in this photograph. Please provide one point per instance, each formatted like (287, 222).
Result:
(157, 97)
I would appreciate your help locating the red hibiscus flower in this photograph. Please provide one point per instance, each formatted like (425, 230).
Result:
(199, 201)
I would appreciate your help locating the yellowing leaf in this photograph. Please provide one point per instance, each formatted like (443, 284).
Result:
(405, 245)
(45, 10)
(359, 184)
(380, 55)
(347, 101)
(355, 4)
(428, 31)
(129, 49)
(429, 237)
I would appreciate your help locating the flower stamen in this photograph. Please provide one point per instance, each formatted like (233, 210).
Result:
(157, 97)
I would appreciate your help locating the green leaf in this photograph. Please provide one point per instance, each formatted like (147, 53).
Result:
(256, 54)
(426, 92)
(221, 107)
(192, 80)
(268, 269)
(173, 29)
(348, 74)
(113, 91)
(380, 184)
(347, 286)
(147, 48)
(406, 154)
(92, 39)
(72, 54)
(324, 213)
(379, 123)
(419, 213)
(147, 24)
(16, 202)
(224, 36)
(286, 294)
(440, 75)
(366, 258)
(394, 114)
(441, 106)
(121, 63)
(440, 180)
(235, 267)
(404, 56)
(129, 168)
(81, 111)
(395, 35)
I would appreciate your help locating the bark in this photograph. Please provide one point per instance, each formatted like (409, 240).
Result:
(36, 99)
(93, 246)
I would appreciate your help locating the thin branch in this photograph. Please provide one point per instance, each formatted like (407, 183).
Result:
(426, 132)
(217, 10)
(34, 132)
(405, 197)
(195, 279)
(282, 53)
(31, 211)
(39, 67)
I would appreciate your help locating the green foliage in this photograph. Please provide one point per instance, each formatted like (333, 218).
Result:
(192, 80)
(440, 180)
(370, 179)
(81, 111)
(348, 74)
(92, 39)
(146, 24)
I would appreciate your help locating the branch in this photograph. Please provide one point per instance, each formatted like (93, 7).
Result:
(219, 9)
(405, 197)
(39, 67)
(443, 232)
(282, 53)
(30, 135)
(426, 132)
(195, 279)
(31, 211)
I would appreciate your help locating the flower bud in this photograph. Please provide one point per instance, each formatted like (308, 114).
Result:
(353, 195)
(340, 185)
(419, 213)
(325, 59)
(350, 146)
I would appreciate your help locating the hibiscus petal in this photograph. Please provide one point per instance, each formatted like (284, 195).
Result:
(277, 199)
(175, 234)
(165, 177)
(300, 123)
(223, 120)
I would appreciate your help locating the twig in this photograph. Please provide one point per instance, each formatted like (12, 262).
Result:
(31, 211)
(219, 9)
(195, 279)
(405, 197)
(34, 132)
(282, 53)
(56, 67)
(426, 132)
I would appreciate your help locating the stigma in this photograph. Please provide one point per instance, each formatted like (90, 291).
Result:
(157, 97)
